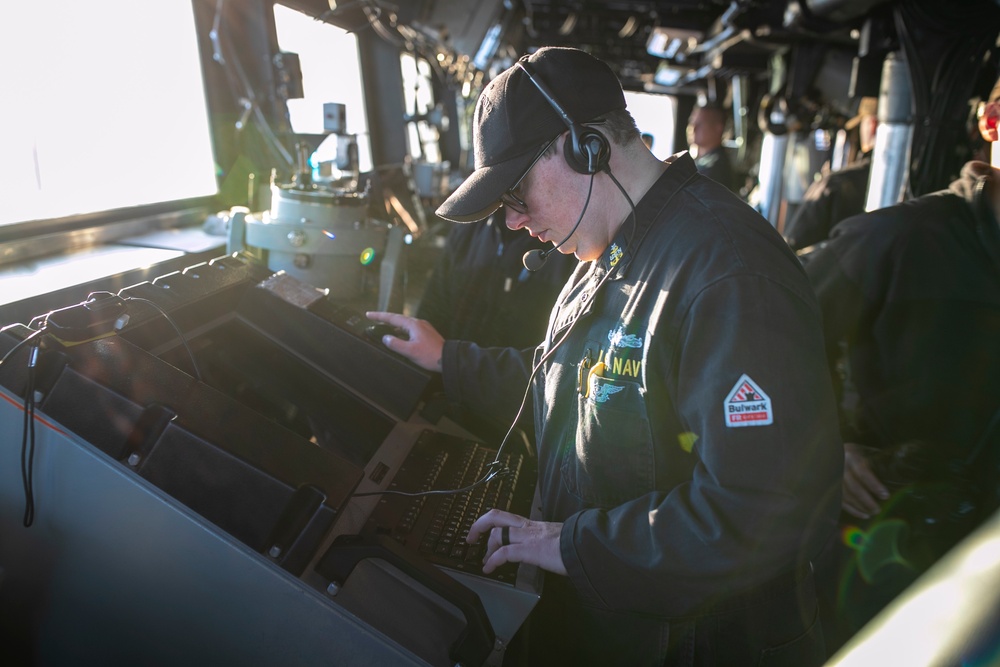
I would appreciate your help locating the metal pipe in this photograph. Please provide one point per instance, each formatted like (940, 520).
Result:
(772, 166)
(894, 136)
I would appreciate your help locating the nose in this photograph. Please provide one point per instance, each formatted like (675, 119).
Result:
(514, 220)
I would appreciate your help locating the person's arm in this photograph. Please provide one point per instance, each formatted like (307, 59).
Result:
(833, 272)
(762, 498)
(813, 219)
(843, 274)
(437, 301)
(492, 381)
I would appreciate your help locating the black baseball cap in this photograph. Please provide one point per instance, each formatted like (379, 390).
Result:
(513, 121)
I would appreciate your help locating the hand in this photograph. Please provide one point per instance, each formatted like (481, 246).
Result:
(425, 345)
(862, 489)
(533, 542)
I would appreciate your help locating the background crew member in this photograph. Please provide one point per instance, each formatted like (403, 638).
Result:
(706, 125)
(689, 464)
(912, 294)
(838, 194)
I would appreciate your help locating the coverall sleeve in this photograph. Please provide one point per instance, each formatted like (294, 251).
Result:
(490, 381)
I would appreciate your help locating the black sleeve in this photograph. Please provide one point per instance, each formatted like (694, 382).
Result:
(847, 274)
(812, 221)
(840, 297)
(436, 303)
(491, 381)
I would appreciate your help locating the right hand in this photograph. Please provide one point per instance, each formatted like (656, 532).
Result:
(425, 346)
(863, 492)
(534, 542)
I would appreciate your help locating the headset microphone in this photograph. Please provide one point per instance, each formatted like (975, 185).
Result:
(535, 259)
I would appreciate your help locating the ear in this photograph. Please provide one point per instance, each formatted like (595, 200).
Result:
(866, 132)
(989, 116)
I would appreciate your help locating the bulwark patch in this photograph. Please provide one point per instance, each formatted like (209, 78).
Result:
(747, 405)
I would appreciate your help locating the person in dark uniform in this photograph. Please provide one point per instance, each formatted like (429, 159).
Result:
(689, 459)
(705, 129)
(911, 302)
(838, 194)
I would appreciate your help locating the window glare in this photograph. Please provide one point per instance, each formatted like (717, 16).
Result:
(104, 118)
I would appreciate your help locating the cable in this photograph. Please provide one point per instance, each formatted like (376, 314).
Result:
(503, 471)
(28, 435)
(194, 363)
(631, 205)
(21, 344)
(539, 257)
(28, 445)
(569, 329)
(177, 329)
(28, 427)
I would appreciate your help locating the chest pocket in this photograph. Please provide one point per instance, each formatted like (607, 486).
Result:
(611, 460)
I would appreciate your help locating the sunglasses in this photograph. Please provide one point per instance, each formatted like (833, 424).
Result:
(511, 198)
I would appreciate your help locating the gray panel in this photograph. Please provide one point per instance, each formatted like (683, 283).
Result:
(114, 572)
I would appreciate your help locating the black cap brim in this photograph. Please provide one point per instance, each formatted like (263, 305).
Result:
(478, 196)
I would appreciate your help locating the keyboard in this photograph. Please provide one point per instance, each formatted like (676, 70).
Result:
(436, 525)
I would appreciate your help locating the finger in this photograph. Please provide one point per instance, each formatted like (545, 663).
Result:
(853, 511)
(499, 538)
(872, 484)
(478, 529)
(394, 343)
(858, 473)
(494, 541)
(492, 519)
(858, 497)
(500, 548)
(394, 319)
(854, 505)
(859, 469)
(501, 556)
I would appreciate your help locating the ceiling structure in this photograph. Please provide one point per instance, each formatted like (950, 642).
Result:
(693, 38)
(789, 65)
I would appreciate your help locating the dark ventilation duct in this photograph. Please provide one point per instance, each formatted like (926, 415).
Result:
(841, 10)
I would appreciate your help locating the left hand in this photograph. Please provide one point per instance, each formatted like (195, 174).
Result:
(533, 542)
(425, 346)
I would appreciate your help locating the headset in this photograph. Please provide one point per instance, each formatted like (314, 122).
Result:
(587, 151)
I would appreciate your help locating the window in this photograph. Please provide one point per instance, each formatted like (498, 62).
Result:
(331, 72)
(97, 117)
(421, 132)
(655, 115)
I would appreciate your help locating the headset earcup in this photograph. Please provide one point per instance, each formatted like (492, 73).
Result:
(587, 151)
